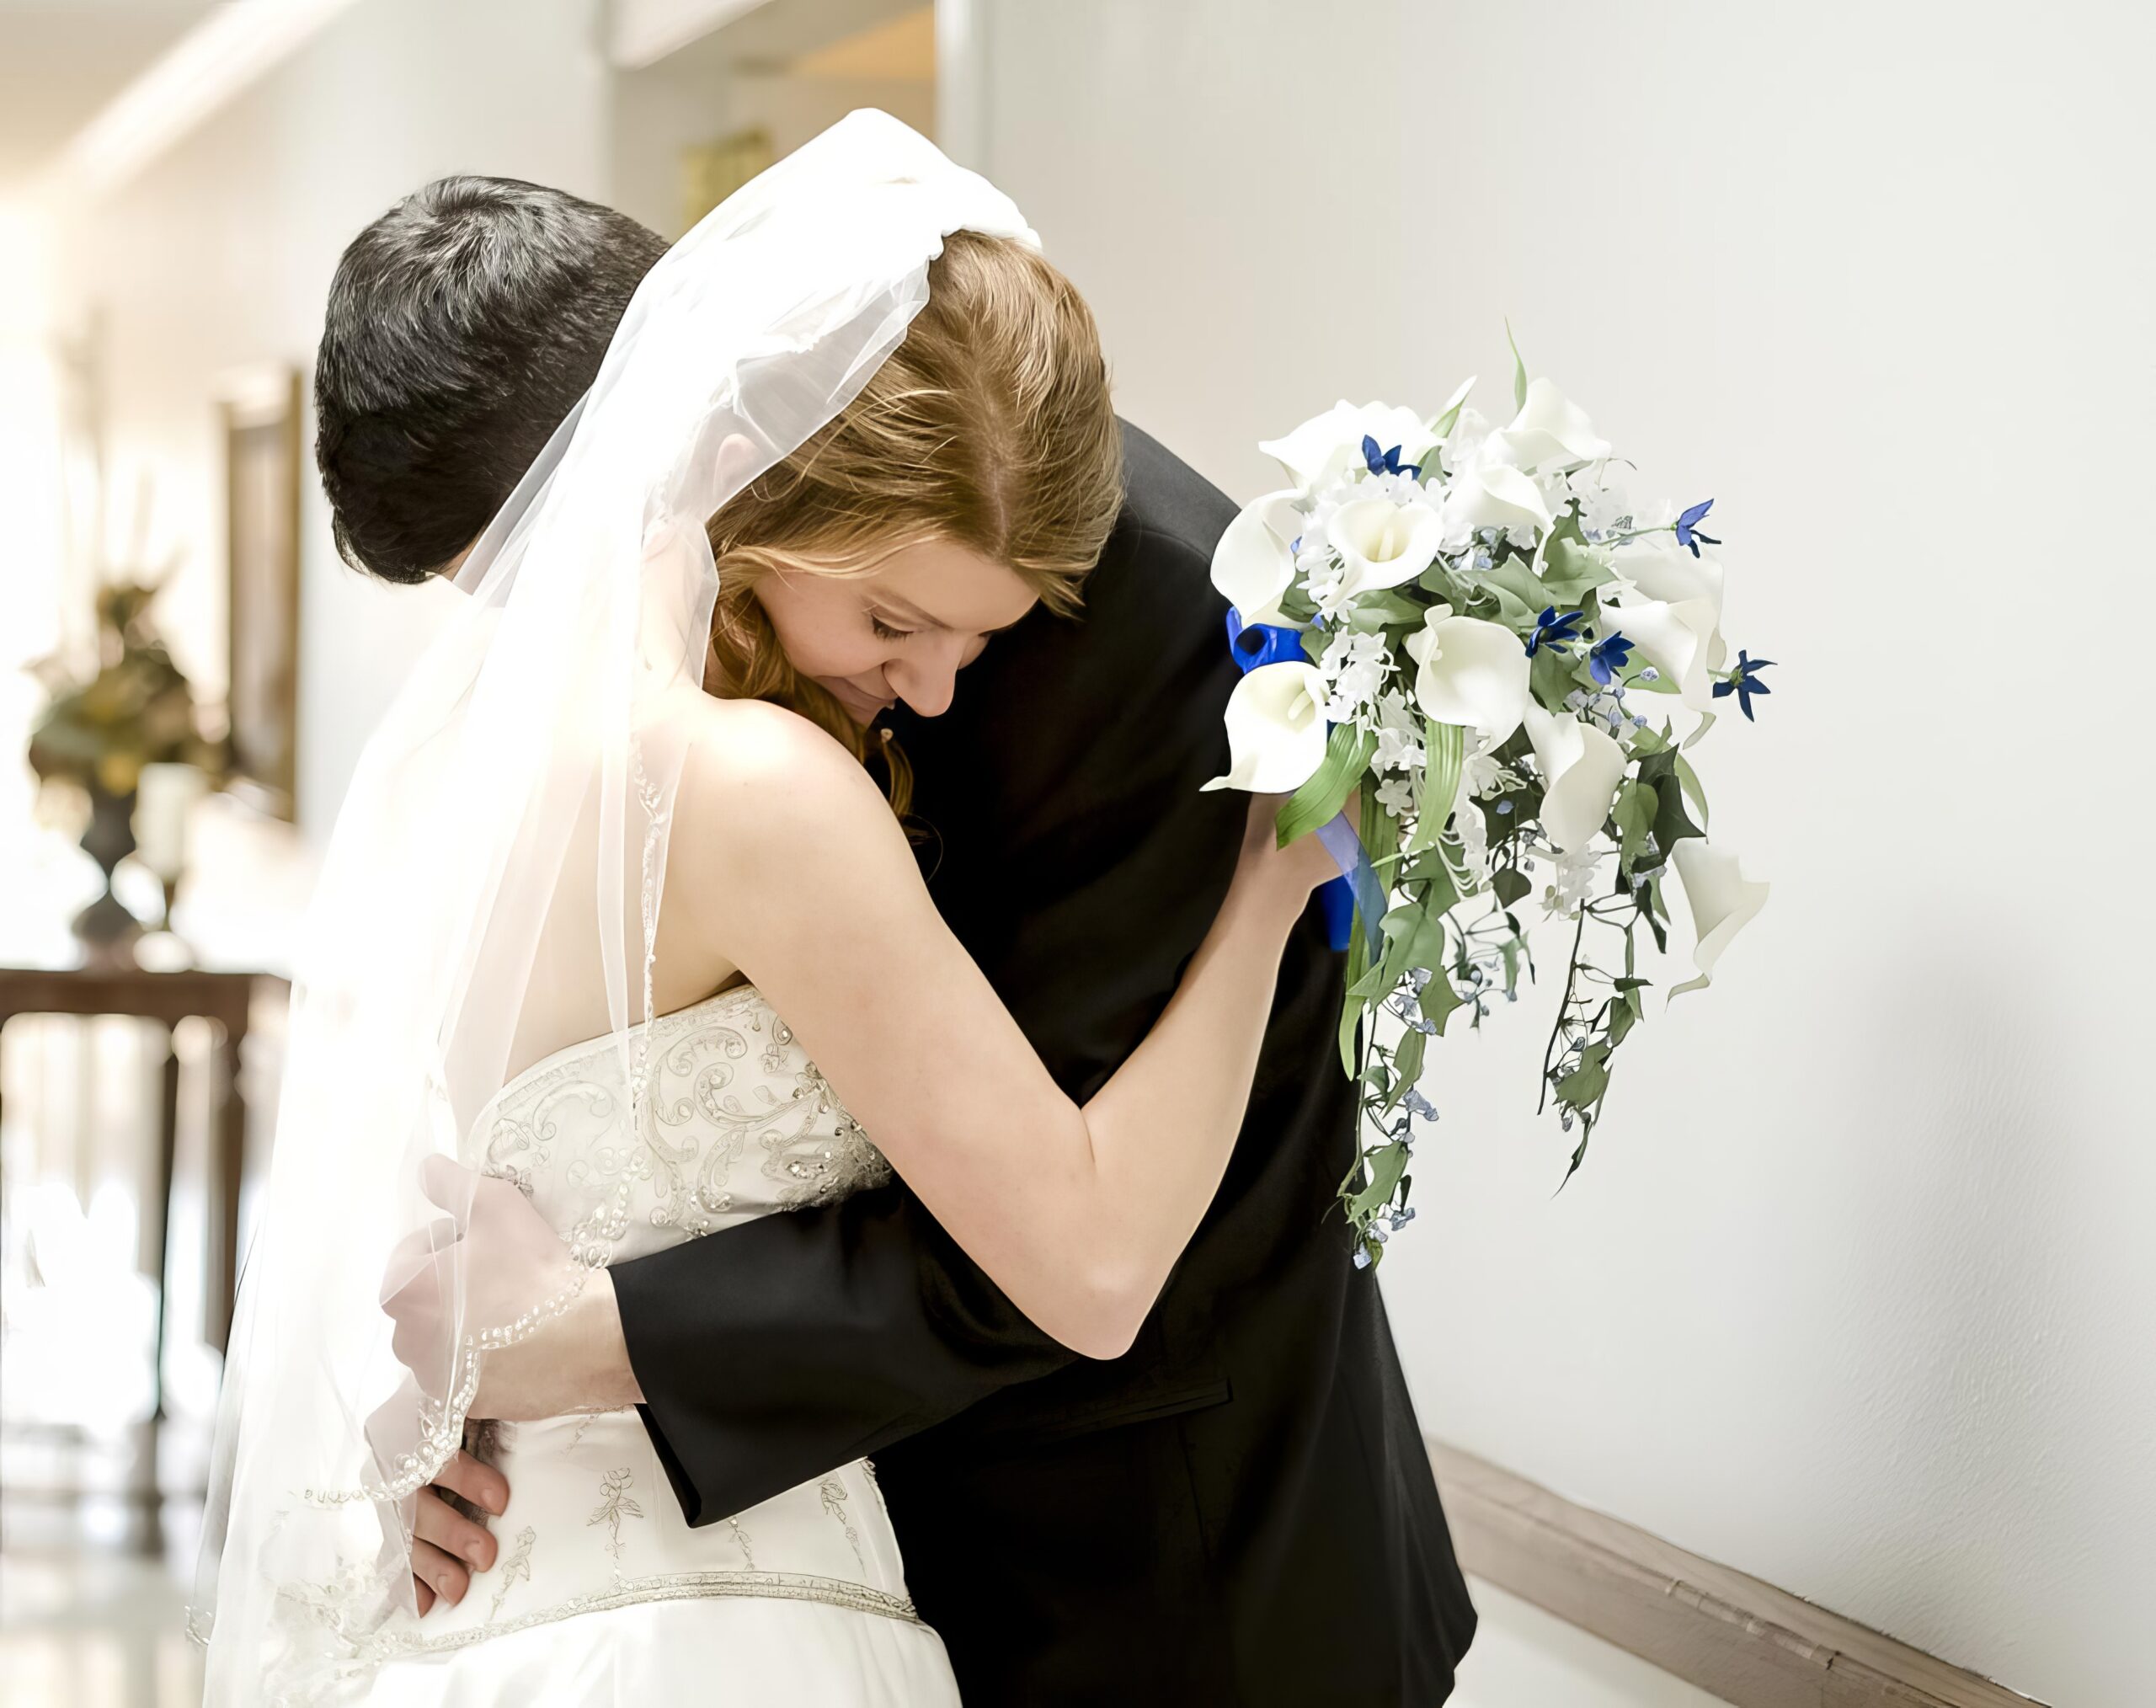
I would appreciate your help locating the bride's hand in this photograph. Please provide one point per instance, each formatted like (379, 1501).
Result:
(1287, 874)
(447, 1547)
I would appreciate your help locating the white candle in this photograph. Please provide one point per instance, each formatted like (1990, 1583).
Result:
(164, 799)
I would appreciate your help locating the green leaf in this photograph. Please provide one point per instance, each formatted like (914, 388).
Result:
(1386, 1167)
(1380, 830)
(1511, 610)
(1635, 816)
(1370, 986)
(1510, 883)
(1415, 937)
(1439, 581)
(1690, 781)
(1407, 1065)
(1512, 952)
(1347, 757)
(1550, 675)
(1351, 1018)
(1445, 748)
(1511, 574)
(1372, 612)
(1583, 1087)
(1656, 914)
(1433, 869)
(1519, 368)
(1671, 826)
(1438, 1000)
(1571, 571)
(1579, 1152)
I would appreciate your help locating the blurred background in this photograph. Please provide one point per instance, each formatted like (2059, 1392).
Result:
(1856, 1295)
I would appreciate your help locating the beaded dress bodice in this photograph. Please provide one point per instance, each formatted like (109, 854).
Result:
(736, 1123)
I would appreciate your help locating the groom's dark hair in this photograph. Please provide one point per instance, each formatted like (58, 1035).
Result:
(462, 326)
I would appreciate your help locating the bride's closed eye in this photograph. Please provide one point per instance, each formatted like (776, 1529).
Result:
(883, 631)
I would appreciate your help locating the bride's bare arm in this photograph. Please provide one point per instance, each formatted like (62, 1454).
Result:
(801, 878)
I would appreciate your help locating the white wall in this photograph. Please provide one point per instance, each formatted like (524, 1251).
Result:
(1857, 1292)
(220, 254)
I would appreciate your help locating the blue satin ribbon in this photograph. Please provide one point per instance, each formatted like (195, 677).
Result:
(1357, 886)
(1255, 643)
(1251, 644)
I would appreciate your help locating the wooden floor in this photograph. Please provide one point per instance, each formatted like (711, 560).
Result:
(104, 1630)
(1523, 1658)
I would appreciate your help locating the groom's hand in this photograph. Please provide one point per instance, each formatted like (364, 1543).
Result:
(494, 1260)
(576, 1361)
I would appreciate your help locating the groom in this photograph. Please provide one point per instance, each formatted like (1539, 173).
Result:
(1238, 1510)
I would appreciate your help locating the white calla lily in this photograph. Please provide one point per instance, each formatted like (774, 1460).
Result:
(1658, 567)
(1549, 431)
(1723, 900)
(1328, 445)
(1252, 564)
(1276, 732)
(1581, 768)
(1381, 544)
(1470, 672)
(1680, 640)
(1492, 496)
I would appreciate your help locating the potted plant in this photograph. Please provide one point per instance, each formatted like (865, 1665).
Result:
(135, 710)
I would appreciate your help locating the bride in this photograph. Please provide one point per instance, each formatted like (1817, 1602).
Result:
(850, 427)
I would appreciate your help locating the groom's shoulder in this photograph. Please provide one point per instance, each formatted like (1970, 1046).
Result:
(1170, 510)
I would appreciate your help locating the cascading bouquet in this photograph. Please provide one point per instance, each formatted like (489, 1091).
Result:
(1509, 659)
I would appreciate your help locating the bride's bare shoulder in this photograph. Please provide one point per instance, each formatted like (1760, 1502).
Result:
(754, 770)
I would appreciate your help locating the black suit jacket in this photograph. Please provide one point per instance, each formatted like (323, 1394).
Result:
(1238, 1510)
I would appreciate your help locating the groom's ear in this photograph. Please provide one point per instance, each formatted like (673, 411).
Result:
(737, 460)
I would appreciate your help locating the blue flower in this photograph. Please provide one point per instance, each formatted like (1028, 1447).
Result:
(1744, 680)
(1688, 528)
(1610, 656)
(1387, 461)
(1551, 630)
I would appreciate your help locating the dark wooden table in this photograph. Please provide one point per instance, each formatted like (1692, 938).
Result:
(225, 997)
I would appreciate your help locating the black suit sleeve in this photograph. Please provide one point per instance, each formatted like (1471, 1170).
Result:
(772, 1351)
(1072, 851)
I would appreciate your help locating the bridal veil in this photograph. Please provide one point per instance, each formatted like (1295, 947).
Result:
(539, 707)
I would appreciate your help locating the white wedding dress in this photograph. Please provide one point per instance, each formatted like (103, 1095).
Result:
(601, 1595)
(544, 705)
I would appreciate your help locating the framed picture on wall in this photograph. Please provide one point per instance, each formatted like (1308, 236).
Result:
(712, 170)
(262, 426)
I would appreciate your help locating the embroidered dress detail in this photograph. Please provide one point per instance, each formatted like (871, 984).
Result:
(834, 1493)
(513, 1569)
(614, 1506)
(733, 1123)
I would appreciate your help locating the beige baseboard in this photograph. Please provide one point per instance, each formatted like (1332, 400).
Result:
(1743, 1641)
